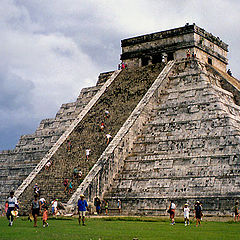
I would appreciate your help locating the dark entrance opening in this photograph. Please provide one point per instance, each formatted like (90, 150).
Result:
(145, 61)
(210, 61)
(156, 58)
(170, 56)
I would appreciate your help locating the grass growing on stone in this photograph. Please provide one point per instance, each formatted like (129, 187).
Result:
(117, 228)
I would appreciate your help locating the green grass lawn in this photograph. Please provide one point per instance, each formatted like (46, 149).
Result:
(117, 228)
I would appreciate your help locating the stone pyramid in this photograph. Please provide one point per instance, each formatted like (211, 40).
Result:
(189, 149)
(174, 125)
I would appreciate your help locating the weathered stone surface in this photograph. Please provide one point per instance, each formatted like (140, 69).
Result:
(188, 151)
(175, 132)
(119, 98)
(173, 45)
(18, 163)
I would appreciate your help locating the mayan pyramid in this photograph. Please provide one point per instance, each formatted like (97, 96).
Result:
(174, 121)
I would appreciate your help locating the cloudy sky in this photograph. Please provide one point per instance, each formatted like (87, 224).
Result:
(51, 49)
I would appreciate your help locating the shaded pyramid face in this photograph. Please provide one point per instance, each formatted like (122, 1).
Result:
(189, 150)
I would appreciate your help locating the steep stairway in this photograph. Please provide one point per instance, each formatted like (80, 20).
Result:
(188, 151)
(120, 98)
(18, 163)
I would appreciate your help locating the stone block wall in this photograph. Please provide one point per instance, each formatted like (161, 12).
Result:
(119, 98)
(186, 148)
(143, 50)
(18, 163)
(110, 164)
(188, 151)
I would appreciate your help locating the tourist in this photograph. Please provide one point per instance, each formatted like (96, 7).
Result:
(45, 216)
(54, 207)
(163, 59)
(48, 164)
(80, 174)
(12, 206)
(119, 205)
(171, 211)
(69, 146)
(236, 211)
(36, 208)
(70, 186)
(97, 203)
(65, 184)
(102, 126)
(6, 207)
(82, 207)
(188, 53)
(108, 138)
(2, 212)
(75, 172)
(36, 190)
(87, 153)
(106, 207)
(186, 212)
(43, 202)
(198, 213)
(107, 114)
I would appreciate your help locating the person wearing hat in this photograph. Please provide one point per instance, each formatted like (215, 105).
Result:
(82, 208)
(198, 213)
(186, 212)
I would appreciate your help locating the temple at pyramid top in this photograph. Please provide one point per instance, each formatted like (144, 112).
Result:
(175, 44)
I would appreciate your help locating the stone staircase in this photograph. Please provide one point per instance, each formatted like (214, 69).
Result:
(119, 98)
(18, 163)
(188, 150)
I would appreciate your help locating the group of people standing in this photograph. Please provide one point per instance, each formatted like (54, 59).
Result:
(186, 213)
(101, 205)
(40, 206)
(122, 65)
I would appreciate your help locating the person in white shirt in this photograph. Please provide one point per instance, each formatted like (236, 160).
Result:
(12, 206)
(107, 114)
(186, 212)
(43, 202)
(171, 211)
(108, 138)
(54, 207)
(87, 153)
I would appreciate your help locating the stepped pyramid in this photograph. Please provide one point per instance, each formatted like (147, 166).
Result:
(18, 163)
(175, 128)
(188, 150)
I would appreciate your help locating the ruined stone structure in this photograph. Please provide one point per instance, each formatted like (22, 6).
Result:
(174, 120)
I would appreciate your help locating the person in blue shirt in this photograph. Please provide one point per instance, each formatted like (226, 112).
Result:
(82, 208)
